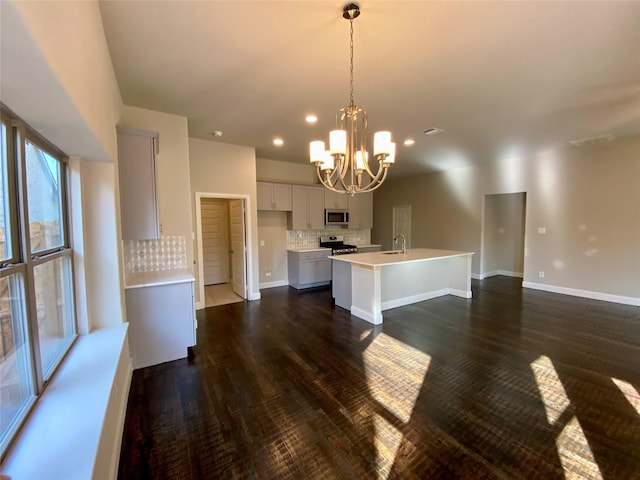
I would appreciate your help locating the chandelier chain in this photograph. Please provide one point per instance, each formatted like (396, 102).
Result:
(351, 63)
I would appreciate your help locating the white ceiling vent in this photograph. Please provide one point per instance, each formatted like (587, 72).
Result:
(592, 140)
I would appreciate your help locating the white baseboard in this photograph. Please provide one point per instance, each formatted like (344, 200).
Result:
(493, 273)
(277, 283)
(400, 302)
(607, 297)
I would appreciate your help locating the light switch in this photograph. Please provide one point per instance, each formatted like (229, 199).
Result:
(542, 230)
(262, 243)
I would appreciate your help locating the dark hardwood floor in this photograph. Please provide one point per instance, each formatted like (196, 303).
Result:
(512, 384)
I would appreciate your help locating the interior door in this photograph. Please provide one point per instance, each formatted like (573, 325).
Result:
(238, 261)
(215, 240)
(402, 223)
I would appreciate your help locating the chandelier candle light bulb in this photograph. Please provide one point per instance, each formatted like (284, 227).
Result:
(344, 168)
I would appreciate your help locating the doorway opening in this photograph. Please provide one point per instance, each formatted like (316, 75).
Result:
(503, 234)
(221, 249)
(402, 224)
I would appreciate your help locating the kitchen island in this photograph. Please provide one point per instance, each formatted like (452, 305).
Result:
(369, 283)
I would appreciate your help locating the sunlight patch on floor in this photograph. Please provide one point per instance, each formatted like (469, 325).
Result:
(573, 449)
(395, 372)
(630, 392)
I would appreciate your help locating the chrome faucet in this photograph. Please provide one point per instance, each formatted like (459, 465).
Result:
(404, 242)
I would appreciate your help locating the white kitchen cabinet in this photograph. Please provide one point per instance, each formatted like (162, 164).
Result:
(338, 201)
(309, 268)
(361, 210)
(308, 208)
(137, 174)
(274, 196)
(161, 322)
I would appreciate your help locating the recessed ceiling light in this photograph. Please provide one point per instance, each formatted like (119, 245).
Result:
(278, 141)
(433, 131)
(409, 141)
(311, 119)
(216, 133)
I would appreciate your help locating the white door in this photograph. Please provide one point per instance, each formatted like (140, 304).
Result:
(215, 240)
(402, 223)
(238, 280)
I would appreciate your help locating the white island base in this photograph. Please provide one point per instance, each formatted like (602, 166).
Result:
(369, 283)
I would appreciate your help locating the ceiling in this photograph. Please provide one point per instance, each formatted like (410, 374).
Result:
(502, 79)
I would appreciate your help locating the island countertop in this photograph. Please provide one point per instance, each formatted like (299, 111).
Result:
(153, 279)
(380, 259)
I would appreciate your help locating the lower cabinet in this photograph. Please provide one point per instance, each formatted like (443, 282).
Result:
(161, 323)
(309, 269)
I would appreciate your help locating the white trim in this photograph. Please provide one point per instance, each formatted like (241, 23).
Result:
(366, 316)
(89, 392)
(511, 274)
(506, 273)
(252, 295)
(277, 283)
(460, 293)
(607, 297)
(421, 297)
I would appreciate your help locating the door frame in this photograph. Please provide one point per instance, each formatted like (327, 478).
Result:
(247, 245)
(483, 241)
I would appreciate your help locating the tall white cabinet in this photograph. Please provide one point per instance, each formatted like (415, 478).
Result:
(137, 173)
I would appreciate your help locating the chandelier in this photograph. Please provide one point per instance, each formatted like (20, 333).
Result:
(344, 168)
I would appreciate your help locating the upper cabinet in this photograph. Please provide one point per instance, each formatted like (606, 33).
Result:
(137, 173)
(274, 196)
(361, 210)
(339, 201)
(308, 208)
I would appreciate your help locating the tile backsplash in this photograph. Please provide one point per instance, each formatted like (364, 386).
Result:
(311, 238)
(150, 255)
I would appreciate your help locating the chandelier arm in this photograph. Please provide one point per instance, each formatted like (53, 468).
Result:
(326, 182)
(377, 181)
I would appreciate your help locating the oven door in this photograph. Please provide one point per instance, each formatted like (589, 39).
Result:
(336, 217)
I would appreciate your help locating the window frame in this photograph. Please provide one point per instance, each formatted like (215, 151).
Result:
(24, 261)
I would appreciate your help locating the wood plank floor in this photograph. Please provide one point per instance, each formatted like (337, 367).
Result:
(512, 384)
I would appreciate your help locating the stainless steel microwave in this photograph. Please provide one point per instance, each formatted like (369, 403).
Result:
(336, 217)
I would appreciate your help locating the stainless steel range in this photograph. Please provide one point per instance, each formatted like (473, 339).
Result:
(337, 245)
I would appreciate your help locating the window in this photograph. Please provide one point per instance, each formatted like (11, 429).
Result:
(37, 313)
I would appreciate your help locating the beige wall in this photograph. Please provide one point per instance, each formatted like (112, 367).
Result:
(503, 234)
(587, 199)
(272, 233)
(286, 172)
(173, 187)
(227, 170)
(55, 55)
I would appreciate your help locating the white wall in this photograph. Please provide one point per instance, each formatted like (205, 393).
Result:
(587, 199)
(58, 77)
(227, 170)
(173, 188)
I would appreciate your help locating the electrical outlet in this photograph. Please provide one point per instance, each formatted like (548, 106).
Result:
(541, 274)
(268, 273)
(262, 243)
(542, 230)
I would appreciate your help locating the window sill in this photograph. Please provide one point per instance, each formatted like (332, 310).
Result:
(75, 429)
